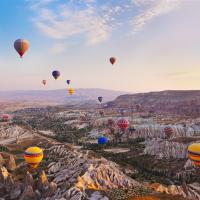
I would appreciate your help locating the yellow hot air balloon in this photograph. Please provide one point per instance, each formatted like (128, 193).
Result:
(194, 153)
(33, 156)
(71, 91)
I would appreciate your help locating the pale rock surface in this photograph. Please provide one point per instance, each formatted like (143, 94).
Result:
(10, 164)
(165, 149)
(2, 161)
(83, 171)
(9, 134)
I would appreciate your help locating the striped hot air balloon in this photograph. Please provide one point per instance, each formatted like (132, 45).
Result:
(71, 91)
(21, 46)
(123, 124)
(5, 117)
(168, 131)
(194, 153)
(33, 156)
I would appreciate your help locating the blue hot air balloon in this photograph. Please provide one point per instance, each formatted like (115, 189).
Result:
(55, 74)
(100, 99)
(68, 82)
(102, 140)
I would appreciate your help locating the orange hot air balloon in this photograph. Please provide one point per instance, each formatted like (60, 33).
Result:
(44, 82)
(21, 46)
(33, 156)
(112, 60)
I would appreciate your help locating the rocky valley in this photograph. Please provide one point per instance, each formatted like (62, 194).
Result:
(141, 162)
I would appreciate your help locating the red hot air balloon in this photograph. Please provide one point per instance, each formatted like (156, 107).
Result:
(112, 60)
(44, 82)
(6, 117)
(21, 46)
(123, 124)
(168, 131)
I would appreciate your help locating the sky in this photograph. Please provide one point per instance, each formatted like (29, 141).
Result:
(156, 44)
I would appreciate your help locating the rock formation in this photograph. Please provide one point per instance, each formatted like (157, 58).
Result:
(10, 164)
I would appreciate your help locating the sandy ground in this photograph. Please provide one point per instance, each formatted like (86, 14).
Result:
(117, 150)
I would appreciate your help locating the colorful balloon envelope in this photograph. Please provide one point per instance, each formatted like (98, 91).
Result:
(138, 107)
(111, 122)
(6, 117)
(68, 82)
(132, 129)
(56, 74)
(102, 140)
(44, 82)
(168, 131)
(194, 153)
(21, 46)
(33, 156)
(112, 60)
(100, 99)
(71, 91)
(123, 124)
(101, 112)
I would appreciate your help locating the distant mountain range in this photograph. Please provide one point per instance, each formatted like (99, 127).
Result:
(58, 96)
(178, 102)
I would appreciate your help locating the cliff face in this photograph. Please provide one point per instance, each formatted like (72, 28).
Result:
(152, 130)
(173, 102)
(166, 149)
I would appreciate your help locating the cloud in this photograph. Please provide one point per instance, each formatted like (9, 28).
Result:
(57, 48)
(154, 9)
(69, 20)
(177, 74)
(92, 21)
(38, 3)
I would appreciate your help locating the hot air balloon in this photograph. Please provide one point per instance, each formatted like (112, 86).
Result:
(111, 123)
(55, 74)
(71, 91)
(102, 140)
(138, 107)
(33, 156)
(21, 46)
(194, 153)
(123, 124)
(68, 82)
(44, 82)
(101, 112)
(5, 117)
(132, 129)
(168, 131)
(112, 60)
(122, 112)
(100, 99)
